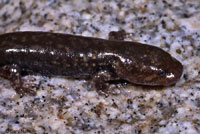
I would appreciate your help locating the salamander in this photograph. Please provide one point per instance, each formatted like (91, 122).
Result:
(56, 54)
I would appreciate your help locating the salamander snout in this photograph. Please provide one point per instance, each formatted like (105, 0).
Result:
(171, 73)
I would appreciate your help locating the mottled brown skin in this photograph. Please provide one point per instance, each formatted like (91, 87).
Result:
(54, 54)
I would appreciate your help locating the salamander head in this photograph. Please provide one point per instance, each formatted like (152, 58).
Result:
(159, 69)
(165, 73)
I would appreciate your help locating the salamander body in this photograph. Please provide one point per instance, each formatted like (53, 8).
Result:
(54, 54)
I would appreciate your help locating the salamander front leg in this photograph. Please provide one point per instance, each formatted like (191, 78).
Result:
(117, 35)
(100, 84)
(12, 73)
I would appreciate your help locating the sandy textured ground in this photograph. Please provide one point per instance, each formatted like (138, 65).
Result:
(68, 106)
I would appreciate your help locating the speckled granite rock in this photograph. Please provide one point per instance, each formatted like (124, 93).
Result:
(68, 106)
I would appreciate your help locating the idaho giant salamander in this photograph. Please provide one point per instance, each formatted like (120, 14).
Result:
(55, 54)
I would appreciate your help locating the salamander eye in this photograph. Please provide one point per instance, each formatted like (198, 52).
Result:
(161, 73)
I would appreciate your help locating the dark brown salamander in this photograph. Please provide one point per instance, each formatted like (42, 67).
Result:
(54, 54)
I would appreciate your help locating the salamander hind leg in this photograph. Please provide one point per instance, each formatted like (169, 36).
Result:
(12, 73)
